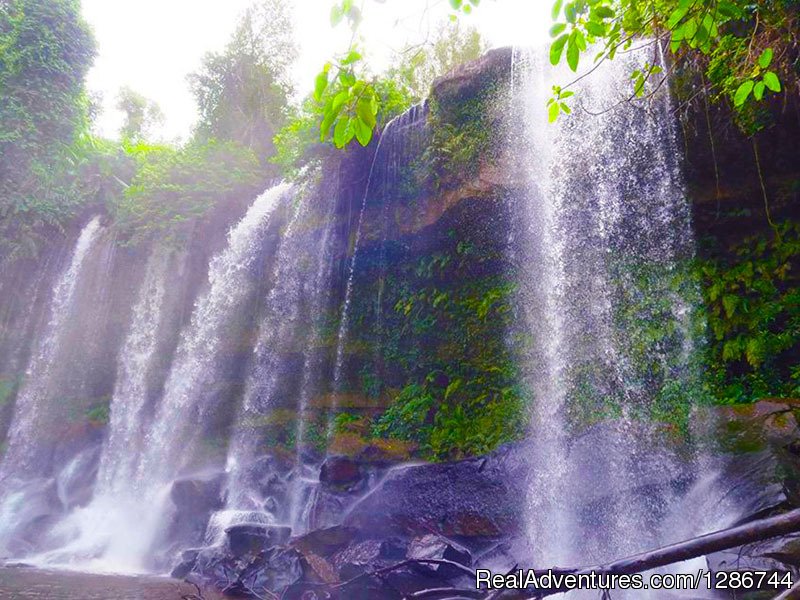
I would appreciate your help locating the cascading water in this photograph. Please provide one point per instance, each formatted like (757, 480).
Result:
(101, 536)
(600, 243)
(118, 530)
(26, 457)
(606, 230)
(277, 384)
(392, 150)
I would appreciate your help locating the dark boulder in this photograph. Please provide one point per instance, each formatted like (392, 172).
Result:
(368, 555)
(255, 573)
(438, 548)
(195, 499)
(340, 473)
(187, 563)
(325, 542)
(246, 539)
(275, 572)
(760, 476)
(470, 498)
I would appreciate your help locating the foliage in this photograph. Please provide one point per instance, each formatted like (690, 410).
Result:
(461, 138)
(242, 93)
(172, 188)
(460, 395)
(141, 115)
(450, 47)
(745, 48)
(753, 312)
(99, 415)
(298, 143)
(45, 51)
(348, 100)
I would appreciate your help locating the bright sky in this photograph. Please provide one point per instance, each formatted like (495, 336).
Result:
(152, 45)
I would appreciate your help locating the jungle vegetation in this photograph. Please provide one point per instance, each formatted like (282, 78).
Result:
(737, 56)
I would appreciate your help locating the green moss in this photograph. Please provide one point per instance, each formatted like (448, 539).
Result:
(461, 138)
(99, 415)
(8, 386)
(752, 300)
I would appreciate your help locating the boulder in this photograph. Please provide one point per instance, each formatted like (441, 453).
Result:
(255, 573)
(435, 547)
(760, 476)
(245, 539)
(195, 499)
(186, 564)
(340, 473)
(279, 568)
(778, 554)
(368, 555)
(470, 498)
(325, 542)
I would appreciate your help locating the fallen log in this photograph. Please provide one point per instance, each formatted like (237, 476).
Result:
(703, 545)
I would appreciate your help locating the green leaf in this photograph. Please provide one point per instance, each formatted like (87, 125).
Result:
(320, 85)
(729, 303)
(351, 57)
(363, 132)
(638, 88)
(603, 12)
(571, 13)
(573, 53)
(742, 93)
(454, 385)
(677, 16)
(765, 59)
(365, 113)
(552, 113)
(758, 90)
(557, 9)
(340, 132)
(596, 29)
(728, 10)
(557, 48)
(557, 29)
(565, 108)
(336, 15)
(456, 4)
(580, 40)
(338, 102)
(772, 82)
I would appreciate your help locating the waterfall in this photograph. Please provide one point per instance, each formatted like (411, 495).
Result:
(283, 373)
(606, 234)
(104, 528)
(393, 150)
(172, 442)
(32, 402)
(142, 456)
(27, 456)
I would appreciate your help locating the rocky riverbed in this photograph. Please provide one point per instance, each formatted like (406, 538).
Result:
(465, 515)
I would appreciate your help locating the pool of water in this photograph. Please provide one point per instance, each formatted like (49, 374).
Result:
(20, 583)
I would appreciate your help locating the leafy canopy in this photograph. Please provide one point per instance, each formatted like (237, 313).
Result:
(242, 93)
(45, 52)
